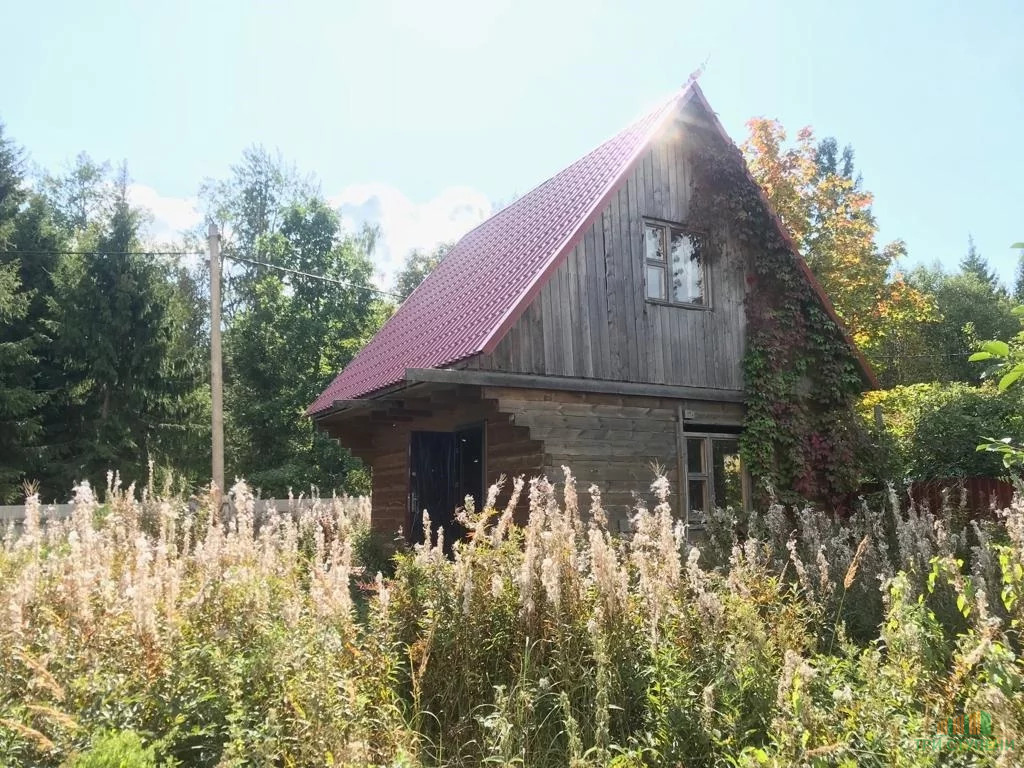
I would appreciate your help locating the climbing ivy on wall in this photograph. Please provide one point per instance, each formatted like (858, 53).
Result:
(802, 438)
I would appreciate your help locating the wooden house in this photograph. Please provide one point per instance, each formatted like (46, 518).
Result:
(588, 324)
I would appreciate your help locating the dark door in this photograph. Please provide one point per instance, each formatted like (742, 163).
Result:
(444, 468)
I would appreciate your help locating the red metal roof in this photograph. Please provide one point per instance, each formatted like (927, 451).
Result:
(482, 286)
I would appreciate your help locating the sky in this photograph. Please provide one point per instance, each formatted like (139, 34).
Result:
(423, 116)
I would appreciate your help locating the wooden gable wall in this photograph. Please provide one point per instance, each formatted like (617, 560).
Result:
(591, 318)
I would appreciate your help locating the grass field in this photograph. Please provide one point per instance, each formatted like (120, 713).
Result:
(144, 632)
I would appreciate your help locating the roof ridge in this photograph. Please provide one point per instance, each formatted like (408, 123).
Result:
(485, 281)
(656, 118)
(468, 303)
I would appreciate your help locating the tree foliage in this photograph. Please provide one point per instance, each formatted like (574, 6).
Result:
(936, 427)
(418, 264)
(104, 348)
(814, 189)
(969, 309)
(973, 264)
(102, 359)
(288, 335)
(115, 320)
(19, 423)
(801, 436)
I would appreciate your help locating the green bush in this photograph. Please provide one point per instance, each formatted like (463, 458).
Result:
(808, 641)
(116, 749)
(936, 428)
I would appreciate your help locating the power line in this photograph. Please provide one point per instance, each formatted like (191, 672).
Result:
(345, 283)
(103, 253)
(322, 278)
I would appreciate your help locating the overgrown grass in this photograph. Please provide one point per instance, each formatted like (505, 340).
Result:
(144, 632)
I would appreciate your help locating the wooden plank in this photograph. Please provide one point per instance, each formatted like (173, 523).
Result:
(536, 331)
(685, 177)
(624, 253)
(612, 282)
(585, 347)
(598, 298)
(657, 196)
(650, 206)
(636, 471)
(647, 433)
(664, 177)
(680, 463)
(675, 208)
(552, 410)
(572, 423)
(653, 365)
(550, 324)
(664, 454)
(633, 251)
(565, 306)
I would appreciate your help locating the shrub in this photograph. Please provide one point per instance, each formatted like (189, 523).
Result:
(936, 428)
(119, 749)
(786, 639)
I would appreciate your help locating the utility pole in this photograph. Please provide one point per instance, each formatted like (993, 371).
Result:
(216, 372)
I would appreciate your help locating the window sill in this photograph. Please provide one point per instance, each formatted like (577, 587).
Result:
(677, 304)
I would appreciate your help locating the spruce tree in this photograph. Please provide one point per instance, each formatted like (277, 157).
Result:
(973, 263)
(112, 338)
(19, 396)
(1018, 285)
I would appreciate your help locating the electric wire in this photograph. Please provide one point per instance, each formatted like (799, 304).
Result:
(228, 256)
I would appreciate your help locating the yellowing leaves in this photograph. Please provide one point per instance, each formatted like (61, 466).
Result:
(828, 214)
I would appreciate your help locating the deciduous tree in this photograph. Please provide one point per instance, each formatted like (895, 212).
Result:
(418, 264)
(289, 335)
(814, 189)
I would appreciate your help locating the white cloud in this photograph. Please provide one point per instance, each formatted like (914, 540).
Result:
(406, 225)
(171, 215)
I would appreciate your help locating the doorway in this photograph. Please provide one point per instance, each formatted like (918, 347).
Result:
(444, 468)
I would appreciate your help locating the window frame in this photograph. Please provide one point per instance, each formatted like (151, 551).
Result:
(667, 228)
(707, 476)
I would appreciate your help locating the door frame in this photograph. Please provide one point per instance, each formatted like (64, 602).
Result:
(480, 424)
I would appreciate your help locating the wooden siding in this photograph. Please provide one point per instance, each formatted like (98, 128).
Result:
(611, 441)
(591, 318)
(508, 448)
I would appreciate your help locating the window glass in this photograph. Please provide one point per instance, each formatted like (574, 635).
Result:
(698, 491)
(687, 270)
(655, 282)
(695, 455)
(728, 474)
(654, 242)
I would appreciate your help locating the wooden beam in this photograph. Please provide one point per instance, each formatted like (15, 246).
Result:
(339, 407)
(571, 384)
(383, 417)
(681, 509)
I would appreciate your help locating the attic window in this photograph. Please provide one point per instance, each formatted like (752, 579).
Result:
(674, 265)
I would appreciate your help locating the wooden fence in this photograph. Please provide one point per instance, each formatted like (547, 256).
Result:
(15, 513)
(977, 495)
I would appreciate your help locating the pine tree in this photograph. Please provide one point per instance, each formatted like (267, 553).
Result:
(19, 427)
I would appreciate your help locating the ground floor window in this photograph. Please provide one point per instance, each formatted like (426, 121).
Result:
(714, 476)
(444, 468)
